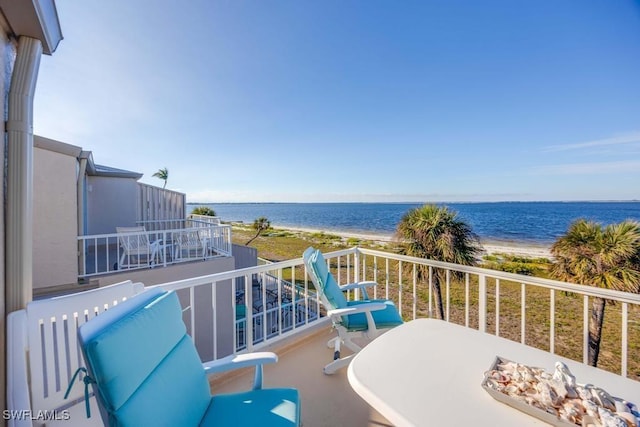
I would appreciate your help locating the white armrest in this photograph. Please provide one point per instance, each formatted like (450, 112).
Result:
(360, 308)
(237, 361)
(358, 285)
(372, 330)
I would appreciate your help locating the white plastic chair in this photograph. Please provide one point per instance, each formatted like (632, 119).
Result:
(188, 241)
(134, 243)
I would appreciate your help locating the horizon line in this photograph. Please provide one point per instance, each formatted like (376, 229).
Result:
(423, 202)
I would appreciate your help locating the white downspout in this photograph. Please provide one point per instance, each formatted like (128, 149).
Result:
(19, 219)
(83, 158)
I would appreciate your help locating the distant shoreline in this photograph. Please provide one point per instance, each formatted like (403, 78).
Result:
(417, 202)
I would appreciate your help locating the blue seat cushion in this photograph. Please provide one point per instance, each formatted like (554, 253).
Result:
(146, 367)
(325, 281)
(274, 407)
(387, 318)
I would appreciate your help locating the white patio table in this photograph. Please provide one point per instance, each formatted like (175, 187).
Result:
(428, 372)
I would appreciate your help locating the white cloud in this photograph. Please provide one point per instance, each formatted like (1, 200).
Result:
(633, 137)
(624, 166)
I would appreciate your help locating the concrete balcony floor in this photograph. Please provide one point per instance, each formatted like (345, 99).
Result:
(327, 400)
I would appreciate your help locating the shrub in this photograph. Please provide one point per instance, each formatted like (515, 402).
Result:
(203, 210)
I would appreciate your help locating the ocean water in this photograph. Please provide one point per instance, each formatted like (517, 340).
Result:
(519, 222)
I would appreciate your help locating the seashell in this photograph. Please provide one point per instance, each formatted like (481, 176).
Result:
(632, 420)
(590, 407)
(584, 392)
(548, 397)
(559, 387)
(609, 419)
(621, 406)
(562, 373)
(603, 398)
(572, 410)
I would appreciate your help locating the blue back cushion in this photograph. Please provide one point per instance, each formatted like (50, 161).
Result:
(146, 367)
(324, 279)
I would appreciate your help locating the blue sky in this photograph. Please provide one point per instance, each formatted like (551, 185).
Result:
(445, 100)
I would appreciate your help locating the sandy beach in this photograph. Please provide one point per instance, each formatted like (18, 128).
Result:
(491, 247)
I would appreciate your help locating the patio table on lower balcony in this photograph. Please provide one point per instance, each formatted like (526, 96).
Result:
(429, 372)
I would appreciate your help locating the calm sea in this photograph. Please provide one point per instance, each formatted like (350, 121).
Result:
(527, 222)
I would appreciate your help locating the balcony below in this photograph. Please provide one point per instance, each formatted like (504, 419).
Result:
(153, 244)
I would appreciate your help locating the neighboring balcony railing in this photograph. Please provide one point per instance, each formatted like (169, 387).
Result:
(150, 246)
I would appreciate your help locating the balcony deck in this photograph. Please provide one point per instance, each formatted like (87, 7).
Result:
(327, 400)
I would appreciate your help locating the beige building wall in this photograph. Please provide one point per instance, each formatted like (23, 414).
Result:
(111, 203)
(55, 222)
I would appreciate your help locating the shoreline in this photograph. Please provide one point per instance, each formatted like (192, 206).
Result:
(524, 249)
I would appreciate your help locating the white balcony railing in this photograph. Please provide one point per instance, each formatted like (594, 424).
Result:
(548, 314)
(181, 240)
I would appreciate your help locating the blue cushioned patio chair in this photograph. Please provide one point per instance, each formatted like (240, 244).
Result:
(145, 371)
(352, 319)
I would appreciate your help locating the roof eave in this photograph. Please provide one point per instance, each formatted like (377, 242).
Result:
(34, 18)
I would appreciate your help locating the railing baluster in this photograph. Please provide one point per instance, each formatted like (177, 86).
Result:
(375, 277)
(280, 313)
(585, 330)
(482, 303)
(448, 289)
(95, 253)
(306, 296)
(363, 277)
(294, 312)
(497, 307)
(624, 338)
(386, 274)
(356, 273)
(214, 310)
(400, 287)
(466, 299)
(523, 312)
(415, 294)
(263, 290)
(107, 251)
(552, 322)
(192, 313)
(430, 291)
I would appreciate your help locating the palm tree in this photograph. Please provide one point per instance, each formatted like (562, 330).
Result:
(606, 257)
(260, 224)
(163, 174)
(435, 233)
